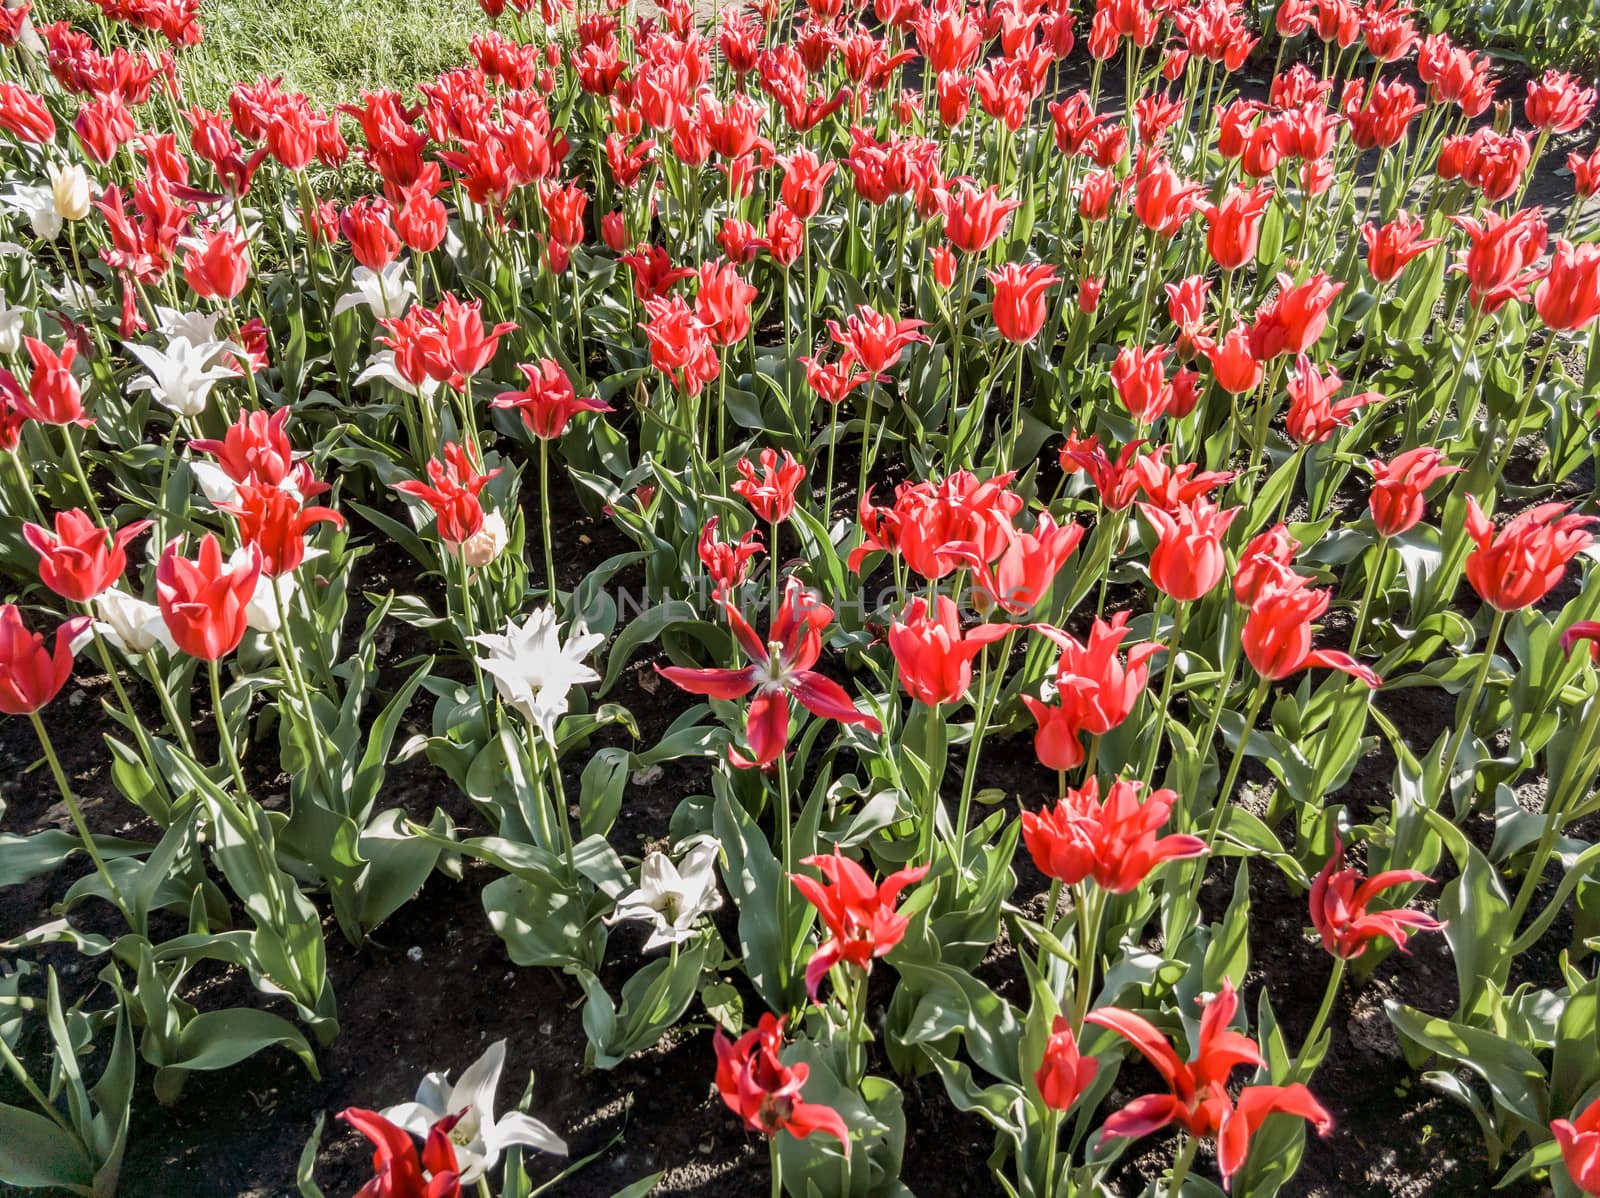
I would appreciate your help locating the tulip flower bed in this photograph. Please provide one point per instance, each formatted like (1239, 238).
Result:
(924, 598)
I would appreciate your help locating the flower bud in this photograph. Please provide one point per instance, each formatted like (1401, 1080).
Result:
(483, 546)
(69, 190)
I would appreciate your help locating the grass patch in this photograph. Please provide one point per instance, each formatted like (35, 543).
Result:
(329, 49)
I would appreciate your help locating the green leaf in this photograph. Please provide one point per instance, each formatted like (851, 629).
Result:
(37, 1154)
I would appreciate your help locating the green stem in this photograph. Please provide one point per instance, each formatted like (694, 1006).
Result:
(1373, 577)
(1329, 994)
(1181, 1166)
(1452, 748)
(1225, 791)
(544, 521)
(230, 753)
(931, 799)
(1148, 773)
(76, 812)
(1089, 905)
(83, 476)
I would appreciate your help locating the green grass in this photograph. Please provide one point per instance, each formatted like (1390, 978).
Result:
(329, 49)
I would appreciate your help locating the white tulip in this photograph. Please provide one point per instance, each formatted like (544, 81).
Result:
(182, 375)
(38, 204)
(131, 624)
(478, 1137)
(673, 897)
(385, 293)
(381, 367)
(69, 191)
(10, 327)
(483, 546)
(533, 671)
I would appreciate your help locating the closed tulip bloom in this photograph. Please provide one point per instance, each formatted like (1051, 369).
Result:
(1188, 560)
(765, 1093)
(1233, 363)
(69, 190)
(548, 403)
(563, 209)
(1277, 632)
(1569, 298)
(1585, 170)
(24, 115)
(1063, 1074)
(468, 347)
(680, 346)
(1018, 299)
(1198, 1098)
(53, 393)
(805, 177)
(726, 562)
(1233, 228)
(30, 674)
(373, 241)
(1391, 246)
(974, 220)
(1400, 487)
(1139, 375)
(722, 303)
(934, 655)
(859, 914)
(1519, 565)
(204, 601)
(80, 560)
(274, 523)
(771, 491)
(1339, 902)
(1162, 200)
(1114, 843)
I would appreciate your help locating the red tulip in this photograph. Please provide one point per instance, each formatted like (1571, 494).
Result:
(927, 518)
(1170, 487)
(103, 126)
(1584, 630)
(1579, 1139)
(781, 667)
(1188, 559)
(804, 179)
(220, 267)
(421, 220)
(1339, 900)
(1018, 299)
(399, 1172)
(1399, 488)
(1162, 200)
(1198, 1097)
(727, 562)
(1314, 415)
(53, 395)
(832, 381)
(365, 225)
(1233, 228)
(875, 340)
(1585, 173)
(1519, 565)
(764, 1092)
(1275, 547)
(1095, 692)
(860, 917)
(31, 675)
(1381, 118)
(548, 402)
(1277, 632)
(1139, 375)
(1233, 364)
(1063, 1074)
(1499, 264)
(1115, 482)
(1023, 573)
(1558, 102)
(934, 655)
(256, 449)
(80, 560)
(453, 495)
(1293, 320)
(1114, 842)
(1089, 294)
(771, 492)
(24, 115)
(1391, 246)
(203, 601)
(1569, 297)
(680, 345)
(722, 303)
(974, 220)
(563, 210)
(653, 272)
(273, 522)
